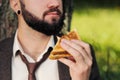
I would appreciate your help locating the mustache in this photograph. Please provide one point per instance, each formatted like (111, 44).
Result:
(52, 10)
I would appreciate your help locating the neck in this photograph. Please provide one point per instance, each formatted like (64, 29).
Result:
(32, 42)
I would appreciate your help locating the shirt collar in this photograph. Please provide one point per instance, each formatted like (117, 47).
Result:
(17, 46)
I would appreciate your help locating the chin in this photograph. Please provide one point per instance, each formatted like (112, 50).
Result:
(53, 21)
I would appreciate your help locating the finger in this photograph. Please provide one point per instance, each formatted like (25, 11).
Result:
(85, 46)
(65, 44)
(80, 49)
(67, 62)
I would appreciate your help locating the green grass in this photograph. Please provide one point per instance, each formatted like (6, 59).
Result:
(101, 28)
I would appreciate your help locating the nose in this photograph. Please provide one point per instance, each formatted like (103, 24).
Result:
(53, 4)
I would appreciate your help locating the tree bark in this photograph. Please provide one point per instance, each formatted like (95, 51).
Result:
(8, 20)
(0, 2)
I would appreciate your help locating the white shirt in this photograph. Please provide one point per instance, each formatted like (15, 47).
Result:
(47, 71)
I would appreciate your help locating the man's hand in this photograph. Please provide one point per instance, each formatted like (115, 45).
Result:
(81, 62)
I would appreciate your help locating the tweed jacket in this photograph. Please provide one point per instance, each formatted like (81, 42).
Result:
(6, 53)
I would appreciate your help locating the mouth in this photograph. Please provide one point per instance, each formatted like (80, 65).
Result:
(53, 13)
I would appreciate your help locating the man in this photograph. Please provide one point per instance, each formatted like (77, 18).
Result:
(39, 21)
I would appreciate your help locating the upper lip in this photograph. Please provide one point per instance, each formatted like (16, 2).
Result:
(53, 13)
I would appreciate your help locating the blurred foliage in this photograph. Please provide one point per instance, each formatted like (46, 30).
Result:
(102, 3)
(100, 27)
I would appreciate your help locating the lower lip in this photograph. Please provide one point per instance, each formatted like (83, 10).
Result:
(53, 14)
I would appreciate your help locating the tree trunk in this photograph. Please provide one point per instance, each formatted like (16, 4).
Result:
(0, 2)
(68, 15)
(8, 20)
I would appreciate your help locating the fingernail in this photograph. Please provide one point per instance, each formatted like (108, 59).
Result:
(62, 43)
(64, 40)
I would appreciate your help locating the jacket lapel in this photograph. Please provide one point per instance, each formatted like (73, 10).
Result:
(6, 59)
(62, 68)
(63, 72)
(6, 62)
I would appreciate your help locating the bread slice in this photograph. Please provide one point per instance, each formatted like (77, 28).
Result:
(58, 51)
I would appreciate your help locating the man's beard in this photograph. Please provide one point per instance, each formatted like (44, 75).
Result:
(41, 25)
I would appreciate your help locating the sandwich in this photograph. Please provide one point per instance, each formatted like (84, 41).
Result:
(58, 51)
